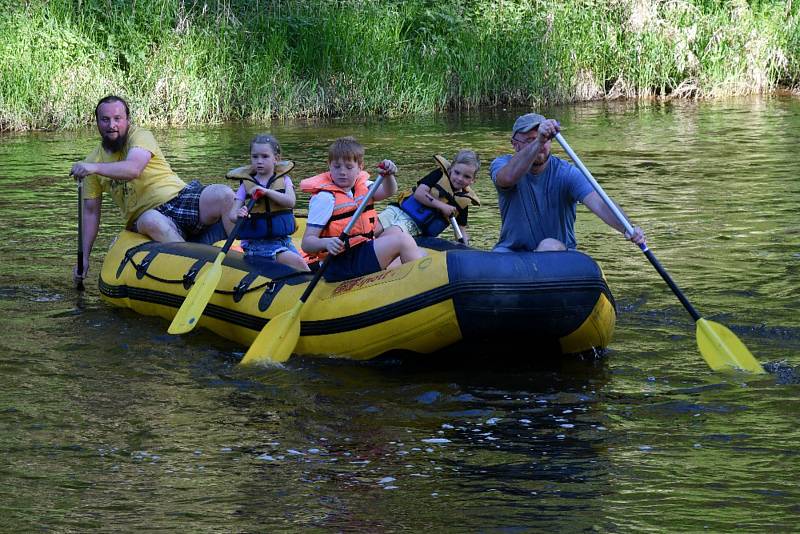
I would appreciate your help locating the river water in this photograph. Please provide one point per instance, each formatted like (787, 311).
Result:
(109, 424)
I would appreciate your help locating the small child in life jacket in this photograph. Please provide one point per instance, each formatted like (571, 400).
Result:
(444, 193)
(271, 222)
(336, 195)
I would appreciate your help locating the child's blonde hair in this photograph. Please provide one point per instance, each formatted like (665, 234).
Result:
(347, 149)
(267, 139)
(467, 157)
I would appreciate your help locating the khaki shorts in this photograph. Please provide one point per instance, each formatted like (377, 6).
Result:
(394, 216)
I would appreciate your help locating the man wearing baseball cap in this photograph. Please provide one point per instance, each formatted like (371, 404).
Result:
(538, 192)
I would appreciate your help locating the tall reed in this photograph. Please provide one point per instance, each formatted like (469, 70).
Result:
(218, 60)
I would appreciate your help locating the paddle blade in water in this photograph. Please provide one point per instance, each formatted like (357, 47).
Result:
(276, 341)
(722, 350)
(195, 302)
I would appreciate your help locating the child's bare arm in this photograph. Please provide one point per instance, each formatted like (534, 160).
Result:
(312, 242)
(286, 199)
(389, 185)
(424, 197)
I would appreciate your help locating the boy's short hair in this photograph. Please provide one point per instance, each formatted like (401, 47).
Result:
(348, 149)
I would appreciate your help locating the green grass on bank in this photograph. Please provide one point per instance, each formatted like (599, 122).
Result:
(209, 61)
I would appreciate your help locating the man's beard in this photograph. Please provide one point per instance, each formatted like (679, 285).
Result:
(114, 145)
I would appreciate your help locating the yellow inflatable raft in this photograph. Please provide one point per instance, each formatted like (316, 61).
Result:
(548, 302)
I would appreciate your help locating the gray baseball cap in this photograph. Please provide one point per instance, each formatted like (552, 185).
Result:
(526, 123)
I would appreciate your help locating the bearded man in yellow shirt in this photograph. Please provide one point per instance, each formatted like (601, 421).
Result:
(130, 166)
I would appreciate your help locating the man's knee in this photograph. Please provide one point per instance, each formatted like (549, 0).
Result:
(147, 222)
(216, 200)
(217, 194)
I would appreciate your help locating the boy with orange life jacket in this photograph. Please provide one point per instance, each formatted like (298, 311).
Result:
(270, 223)
(335, 197)
(442, 194)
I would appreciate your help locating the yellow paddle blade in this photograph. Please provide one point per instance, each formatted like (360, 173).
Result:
(276, 341)
(195, 302)
(722, 350)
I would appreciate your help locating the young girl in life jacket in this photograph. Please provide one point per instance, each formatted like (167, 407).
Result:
(269, 225)
(442, 194)
(336, 195)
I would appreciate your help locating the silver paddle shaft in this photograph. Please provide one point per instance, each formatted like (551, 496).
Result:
(613, 207)
(456, 229)
(362, 206)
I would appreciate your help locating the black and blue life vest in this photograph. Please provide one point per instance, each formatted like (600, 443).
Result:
(430, 220)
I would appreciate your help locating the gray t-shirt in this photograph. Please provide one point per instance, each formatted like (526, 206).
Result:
(539, 206)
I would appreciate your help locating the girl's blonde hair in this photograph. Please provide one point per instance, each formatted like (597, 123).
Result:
(467, 157)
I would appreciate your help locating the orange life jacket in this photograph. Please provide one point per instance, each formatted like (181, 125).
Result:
(343, 209)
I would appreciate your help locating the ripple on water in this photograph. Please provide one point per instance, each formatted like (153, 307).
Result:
(99, 407)
(29, 293)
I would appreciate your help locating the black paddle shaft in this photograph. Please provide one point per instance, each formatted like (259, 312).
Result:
(628, 227)
(672, 285)
(342, 236)
(235, 232)
(79, 285)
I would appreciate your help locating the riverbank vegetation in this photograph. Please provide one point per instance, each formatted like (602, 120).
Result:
(198, 61)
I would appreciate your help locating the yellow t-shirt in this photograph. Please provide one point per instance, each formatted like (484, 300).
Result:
(156, 185)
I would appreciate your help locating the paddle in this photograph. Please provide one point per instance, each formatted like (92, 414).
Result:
(456, 229)
(276, 341)
(445, 166)
(720, 347)
(79, 281)
(195, 302)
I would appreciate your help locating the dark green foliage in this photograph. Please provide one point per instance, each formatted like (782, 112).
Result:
(190, 62)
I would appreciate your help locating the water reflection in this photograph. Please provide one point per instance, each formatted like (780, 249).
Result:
(100, 406)
(428, 437)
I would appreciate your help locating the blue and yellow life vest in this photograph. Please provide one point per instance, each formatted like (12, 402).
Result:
(430, 220)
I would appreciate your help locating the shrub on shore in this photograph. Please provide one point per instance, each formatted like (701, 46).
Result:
(212, 61)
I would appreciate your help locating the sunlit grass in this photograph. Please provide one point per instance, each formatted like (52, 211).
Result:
(182, 62)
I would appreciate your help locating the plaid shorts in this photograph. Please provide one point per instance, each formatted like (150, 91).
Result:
(184, 209)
